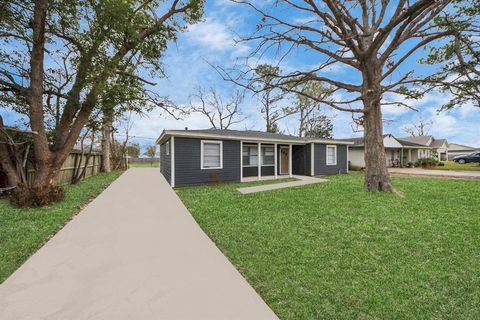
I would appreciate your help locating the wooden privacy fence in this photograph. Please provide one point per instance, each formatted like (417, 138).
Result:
(143, 160)
(68, 167)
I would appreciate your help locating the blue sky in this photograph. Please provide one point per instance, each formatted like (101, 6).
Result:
(213, 41)
(187, 65)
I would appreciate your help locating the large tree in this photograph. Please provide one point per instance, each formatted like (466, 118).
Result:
(371, 39)
(98, 40)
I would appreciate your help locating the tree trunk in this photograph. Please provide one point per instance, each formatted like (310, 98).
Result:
(377, 178)
(105, 167)
(8, 166)
(6, 163)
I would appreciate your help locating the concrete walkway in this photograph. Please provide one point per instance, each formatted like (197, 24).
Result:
(134, 253)
(301, 181)
(436, 173)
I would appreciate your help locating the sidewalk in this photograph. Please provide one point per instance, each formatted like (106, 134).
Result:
(134, 253)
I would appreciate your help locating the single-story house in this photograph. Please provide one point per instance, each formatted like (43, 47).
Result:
(439, 147)
(456, 149)
(399, 151)
(192, 157)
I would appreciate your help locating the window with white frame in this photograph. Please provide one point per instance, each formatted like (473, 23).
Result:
(331, 155)
(167, 148)
(268, 156)
(212, 155)
(250, 155)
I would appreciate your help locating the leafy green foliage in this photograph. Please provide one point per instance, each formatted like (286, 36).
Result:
(334, 251)
(459, 58)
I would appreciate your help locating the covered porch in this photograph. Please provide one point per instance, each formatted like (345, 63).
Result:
(267, 161)
(400, 157)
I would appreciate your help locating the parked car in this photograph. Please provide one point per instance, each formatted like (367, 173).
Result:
(472, 157)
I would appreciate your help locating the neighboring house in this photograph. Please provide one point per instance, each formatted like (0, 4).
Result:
(398, 151)
(439, 147)
(456, 149)
(192, 157)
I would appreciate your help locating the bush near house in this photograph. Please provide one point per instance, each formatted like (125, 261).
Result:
(427, 162)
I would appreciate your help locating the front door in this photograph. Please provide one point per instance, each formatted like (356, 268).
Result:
(284, 158)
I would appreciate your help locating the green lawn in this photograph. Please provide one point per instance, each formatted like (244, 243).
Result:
(22, 232)
(332, 251)
(450, 165)
(144, 165)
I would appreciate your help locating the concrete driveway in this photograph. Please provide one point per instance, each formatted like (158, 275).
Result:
(436, 173)
(134, 253)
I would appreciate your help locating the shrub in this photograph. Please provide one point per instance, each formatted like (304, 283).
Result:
(25, 197)
(355, 168)
(427, 162)
(441, 164)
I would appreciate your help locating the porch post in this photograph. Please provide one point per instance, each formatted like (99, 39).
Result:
(290, 160)
(172, 162)
(241, 161)
(312, 159)
(259, 165)
(401, 157)
(275, 160)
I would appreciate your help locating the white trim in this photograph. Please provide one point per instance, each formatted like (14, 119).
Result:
(172, 162)
(326, 155)
(282, 147)
(348, 160)
(241, 161)
(275, 161)
(290, 160)
(259, 164)
(245, 139)
(167, 148)
(221, 154)
(312, 159)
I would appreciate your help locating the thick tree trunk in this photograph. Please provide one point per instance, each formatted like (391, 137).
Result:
(6, 163)
(8, 166)
(377, 178)
(105, 167)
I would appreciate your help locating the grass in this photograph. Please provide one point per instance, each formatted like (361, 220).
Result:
(450, 165)
(144, 165)
(332, 251)
(22, 232)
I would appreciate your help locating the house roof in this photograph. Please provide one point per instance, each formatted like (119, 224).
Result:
(250, 135)
(460, 147)
(359, 142)
(419, 140)
(437, 143)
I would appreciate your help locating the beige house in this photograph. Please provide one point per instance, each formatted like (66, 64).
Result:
(401, 151)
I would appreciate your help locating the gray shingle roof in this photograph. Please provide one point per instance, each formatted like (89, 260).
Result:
(420, 140)
(359, 142)
(437, 143)
(247, 134)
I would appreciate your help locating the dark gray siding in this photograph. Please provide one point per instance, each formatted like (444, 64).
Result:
(301, 160)
(165, 162)
(250, 171)
(253, 171)
(188, 166)
(321, 167)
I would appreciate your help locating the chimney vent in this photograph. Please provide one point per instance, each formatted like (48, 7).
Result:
(186, 128)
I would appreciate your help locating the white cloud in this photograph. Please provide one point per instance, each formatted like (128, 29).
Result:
(213, 35)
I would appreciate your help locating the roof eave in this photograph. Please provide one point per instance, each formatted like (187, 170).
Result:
(167, 133)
